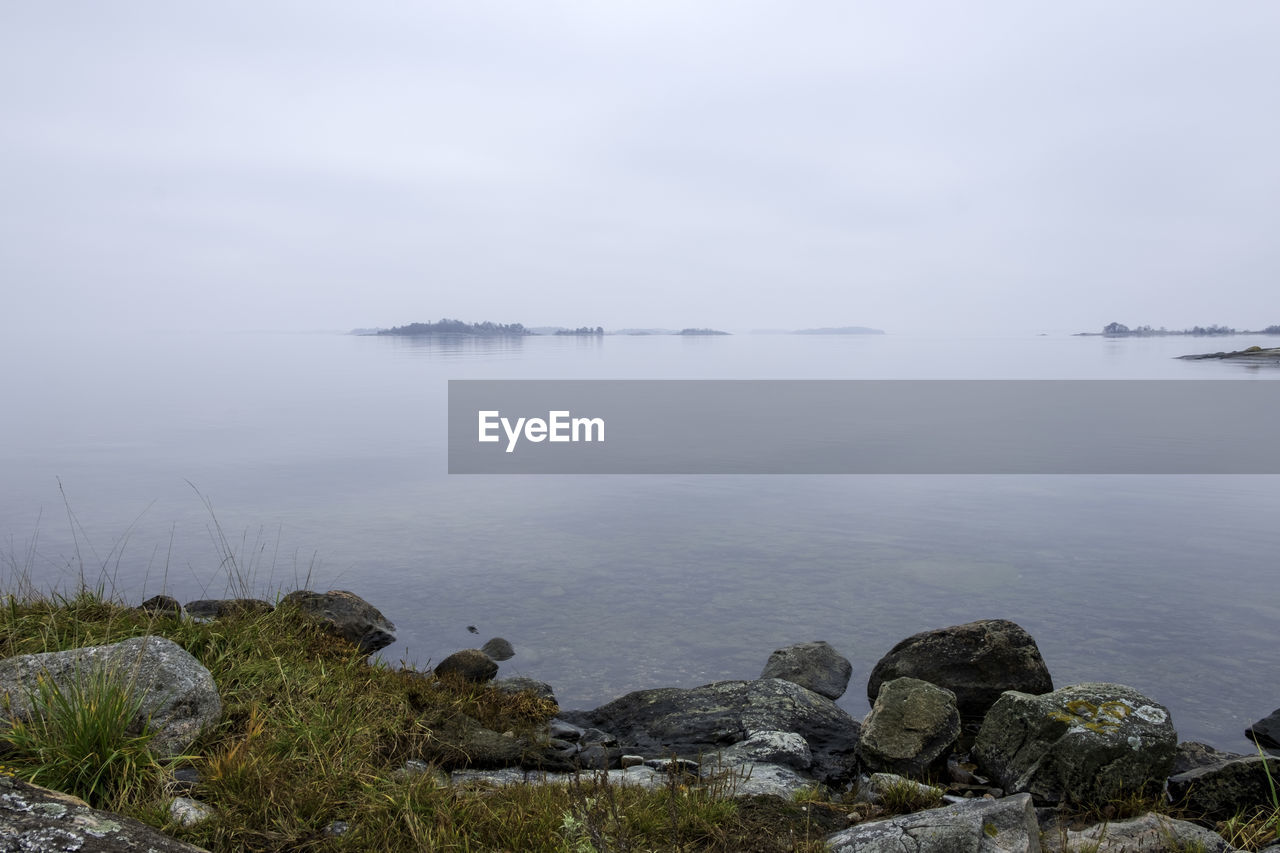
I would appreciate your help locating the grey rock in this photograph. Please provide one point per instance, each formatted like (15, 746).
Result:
(871, 789)
(558, 728)
(215, 608)
(524, 684)
(762, 778)
(337, 827)
(1086, 743)
(37, 819)
(1149, 833)
(1228, 786)
(690, 722)
(178, 697)
(975, 826)
(594, 735)
(1266, 732)
(814, 665)
(189, 812)
(469, 664)
(183, 781)
(346, 615)
(498, 649)
(910, 727)
(976, 661)
(1192, 754)
(631, 761)
(165, 605)
(787, 749)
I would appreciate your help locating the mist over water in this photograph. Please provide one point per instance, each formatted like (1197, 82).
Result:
(323, 458)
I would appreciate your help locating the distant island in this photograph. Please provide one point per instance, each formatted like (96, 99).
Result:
(840, 330)
(1120, 330)
(458, 327)
(1252, 354)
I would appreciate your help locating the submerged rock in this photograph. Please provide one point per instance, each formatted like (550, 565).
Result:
(815, 665)
(976, 661)
(346, 615)
(179, 700)
(1086, 743)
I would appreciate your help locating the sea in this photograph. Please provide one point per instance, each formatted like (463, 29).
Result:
(208, 464)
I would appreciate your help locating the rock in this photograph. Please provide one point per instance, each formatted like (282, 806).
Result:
(690, 722)
(1149, 833)
(346, 615)
(975, 825)
(787, 749)
(469, 664)
(163, 605)
(37, 819)
(977, 662)
(179, 699)
(872, 789)
(1086, 743)
(524, 684)
(559, 729)
(498, 649)
(762, 778)
(1192, 754)
(910, 727)
(183, 781)
(1225, 787)
(215, 608)
(189, 812)
(629, 761)
(1266, 732)
(815, 665)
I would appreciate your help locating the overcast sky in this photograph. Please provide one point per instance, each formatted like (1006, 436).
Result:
(905, 165)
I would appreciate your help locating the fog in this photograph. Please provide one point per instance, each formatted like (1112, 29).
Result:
(908, 166)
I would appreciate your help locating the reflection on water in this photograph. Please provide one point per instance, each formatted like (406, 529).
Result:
(323, 457)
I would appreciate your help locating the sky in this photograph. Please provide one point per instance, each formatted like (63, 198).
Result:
(910, 166)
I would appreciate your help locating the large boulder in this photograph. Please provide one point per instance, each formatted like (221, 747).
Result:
(221, 608)
(179, 700)
(973, 826)
(976, 661)
(1086, 743)
(1227, 786)
(691, 722)
(814, 665)
(346, 615)
(910, 727)
(1266, 732)
(469, 664)
(1148, 833)
(37, 819)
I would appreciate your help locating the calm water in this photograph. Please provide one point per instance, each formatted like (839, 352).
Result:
(323, 457)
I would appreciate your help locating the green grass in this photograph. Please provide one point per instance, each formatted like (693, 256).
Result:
(312, 733)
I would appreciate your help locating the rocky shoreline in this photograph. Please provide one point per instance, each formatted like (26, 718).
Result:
(1255, 354)
(964, 719)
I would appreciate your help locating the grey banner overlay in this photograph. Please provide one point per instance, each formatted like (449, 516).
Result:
(867, 427)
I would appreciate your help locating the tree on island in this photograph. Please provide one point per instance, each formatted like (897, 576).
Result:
(458, 327)
(582, 331)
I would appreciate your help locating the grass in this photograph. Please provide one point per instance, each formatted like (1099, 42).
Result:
(1256, 828)
(312, 734)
